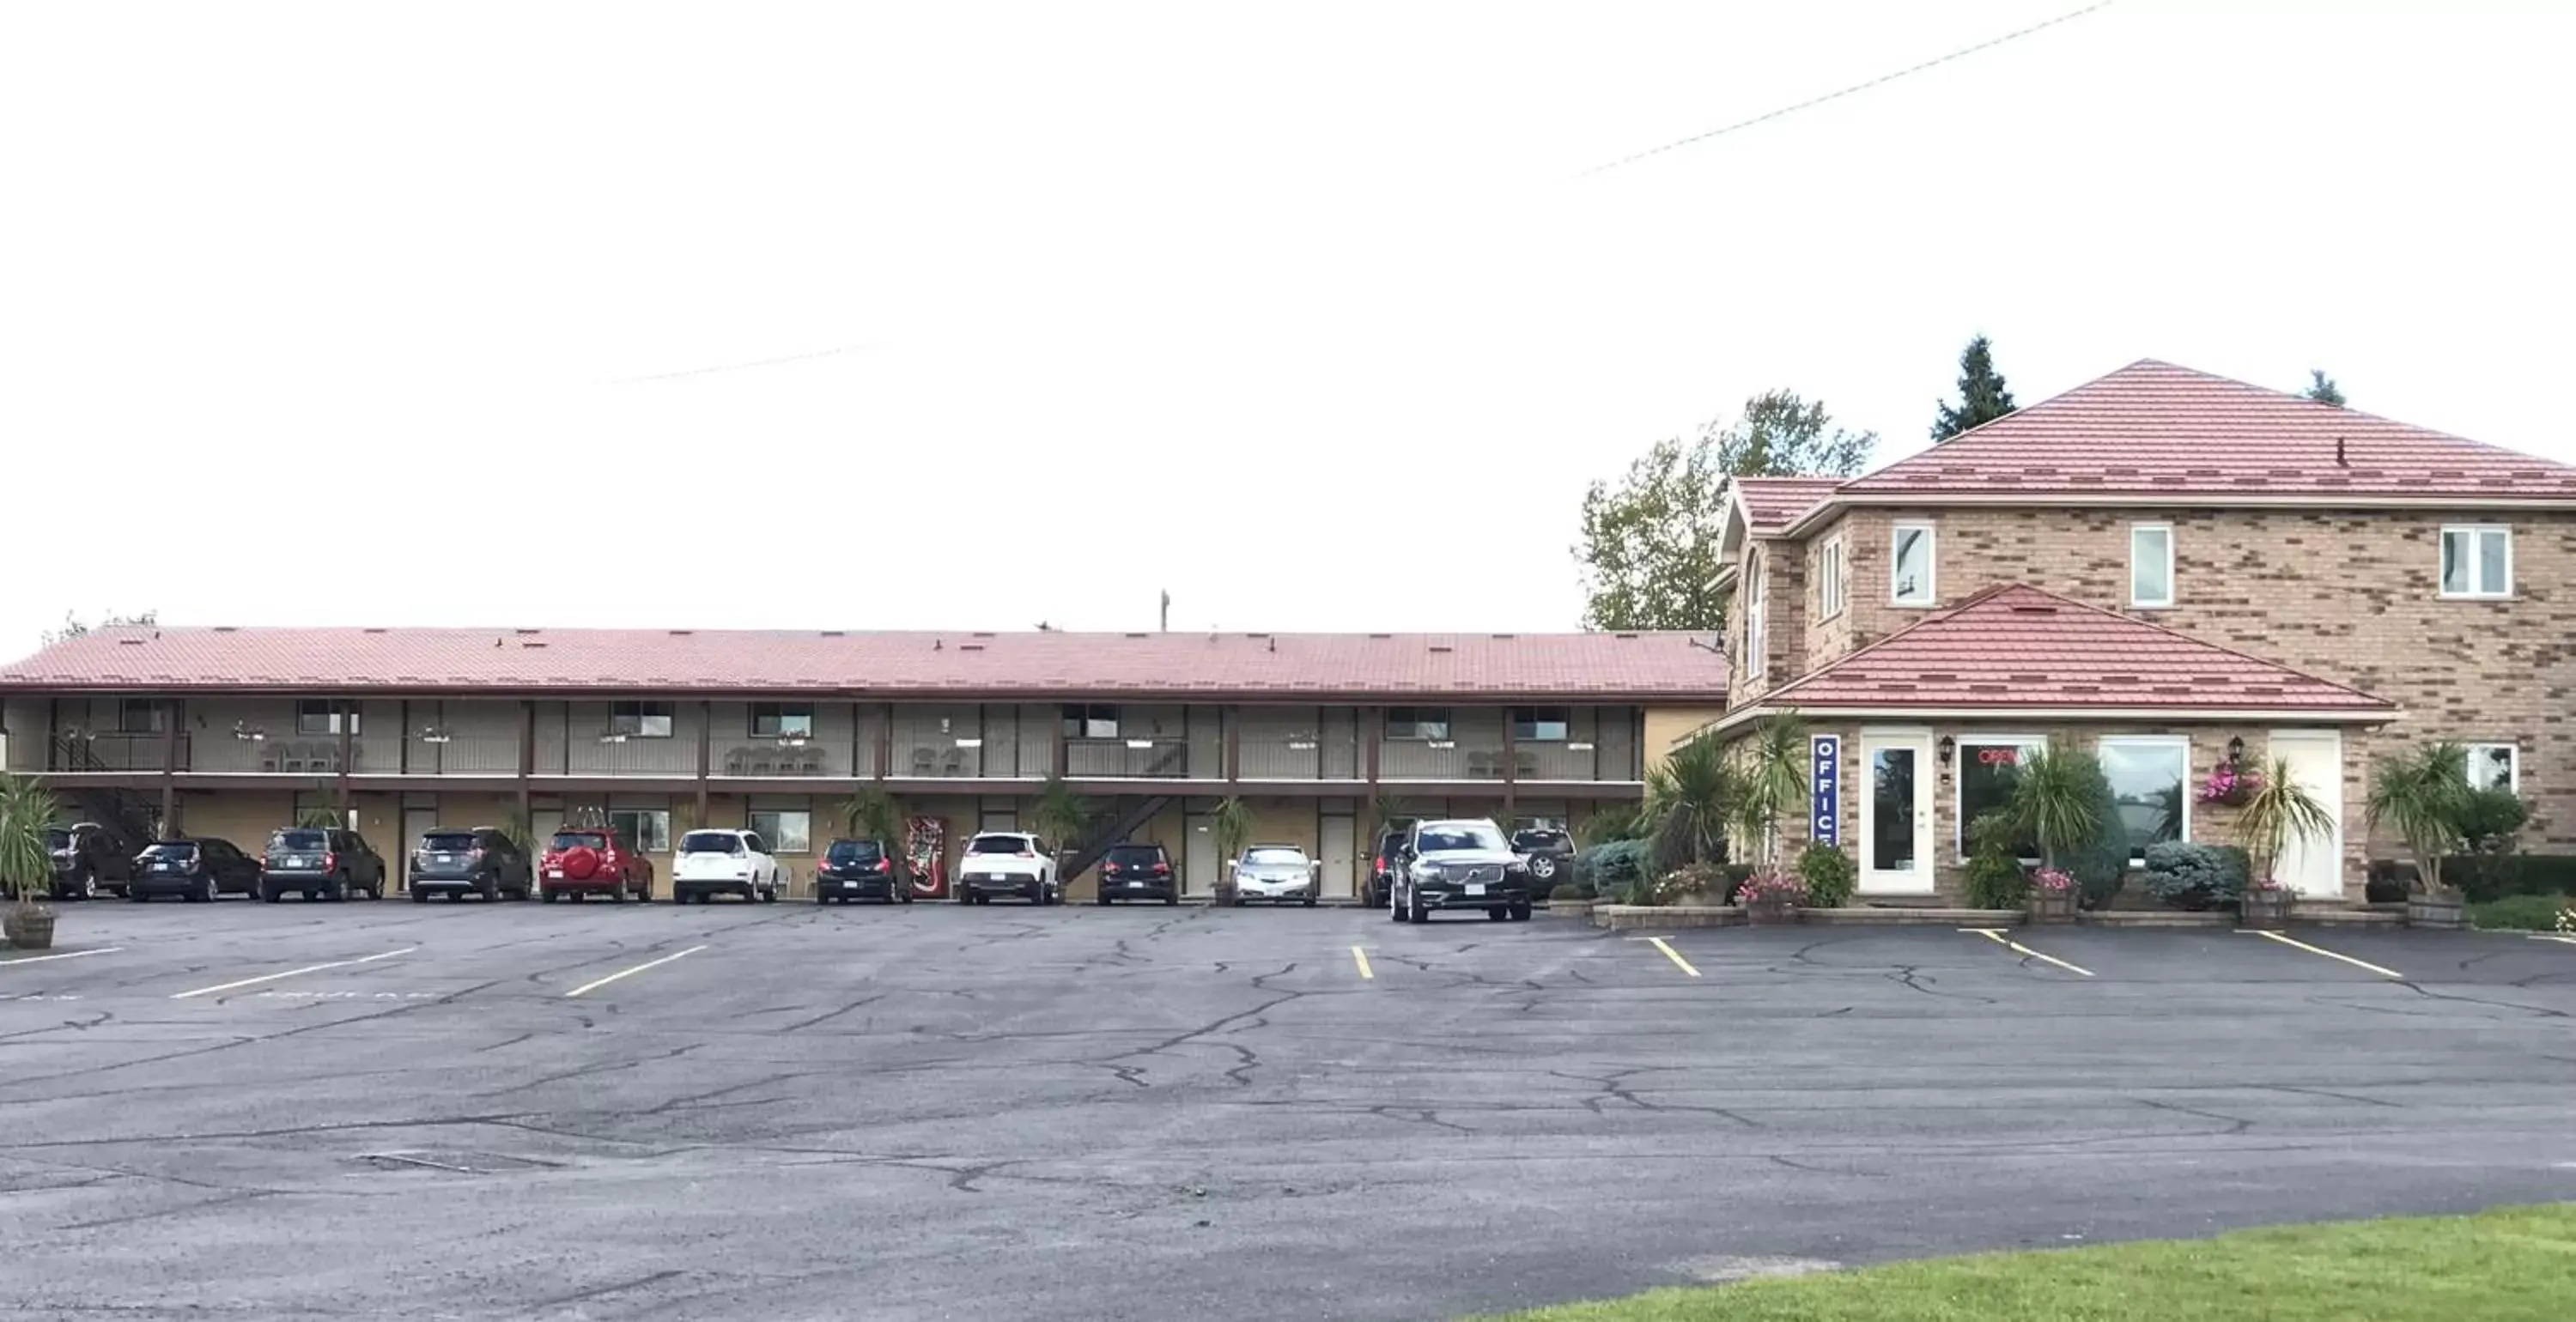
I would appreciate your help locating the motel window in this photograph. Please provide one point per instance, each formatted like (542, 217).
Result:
(789, 830)
(2477, 562)
(320, 716)
(1910, 567)
(1757, 637)
(645, 829)
(2149, 777)
(139, 716)
(1090, 720)
(1540, 725)
(2151, 564)
(1829, 579)
(1417, 722)
(642, 720)
(1989, 767)
(2495, 767)
(782, 720)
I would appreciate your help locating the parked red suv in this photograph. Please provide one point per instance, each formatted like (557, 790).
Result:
(587, 860)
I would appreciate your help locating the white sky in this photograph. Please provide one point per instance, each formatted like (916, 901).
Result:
(1302, 312)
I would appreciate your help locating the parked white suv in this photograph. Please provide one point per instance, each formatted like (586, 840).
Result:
(712, 863)
(1008, 863)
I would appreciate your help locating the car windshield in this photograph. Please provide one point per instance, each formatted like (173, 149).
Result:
(854, 851)
(1125, 854)
(172, 849)
(710, 842)
(445, 842)
(1458, 835)
(592, 840)
(58, 839)
(1286, 858)
(997, 844)
(299, 840)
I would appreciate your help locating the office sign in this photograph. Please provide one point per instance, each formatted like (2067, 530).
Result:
(1825, 774)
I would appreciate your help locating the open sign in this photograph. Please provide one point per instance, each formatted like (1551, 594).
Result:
(2003, 756)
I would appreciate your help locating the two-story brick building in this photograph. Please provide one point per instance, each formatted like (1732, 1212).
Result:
(2171, 568)
(235, 732)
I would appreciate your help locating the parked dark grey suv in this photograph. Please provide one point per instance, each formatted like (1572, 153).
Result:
(89, 859)
(476, 861)
(321, 864)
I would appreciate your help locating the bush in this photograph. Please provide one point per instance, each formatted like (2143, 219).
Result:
(2389, 881)
(1995, 879)
(1608, 867)
(1735, 877)
(2102, 864)
(2495, 876)
(1570, 892)
(2491, 820)
(2188, 876)
(1830, 875)
(2521, 913)
(1707, 879)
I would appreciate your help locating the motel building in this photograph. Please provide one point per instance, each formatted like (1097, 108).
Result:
(235, 732)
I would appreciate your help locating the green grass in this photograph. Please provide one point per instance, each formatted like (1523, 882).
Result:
(2500, 1266)
(2522, 913)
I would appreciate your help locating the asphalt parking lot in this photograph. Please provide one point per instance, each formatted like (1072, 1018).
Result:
(934, 1112)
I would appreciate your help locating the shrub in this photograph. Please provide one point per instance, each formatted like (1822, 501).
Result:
(1608, 867)
(1698, 879)
(1735, 876)
(1655, 891)
(2523, 913)
(1570, 891)
(2491, 820)
(2388, 881)
(2494, 876)
(1995, 878)
(1829, 874)
(2189, 876)
(2101, 864)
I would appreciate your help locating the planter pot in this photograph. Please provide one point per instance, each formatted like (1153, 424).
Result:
(2435, 912)
(1770, 913)
(29, 929)
(2265, 911)
(2052, 906)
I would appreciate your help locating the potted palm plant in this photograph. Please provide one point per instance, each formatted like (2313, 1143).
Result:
(2425, 797)
(1231, 823)
(26, 865)
(1060, 815)
(1772, 779)
(2278, 812)
(1689, 797)
(2057, 805)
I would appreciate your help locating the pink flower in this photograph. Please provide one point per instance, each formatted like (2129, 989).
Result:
(2052, 880)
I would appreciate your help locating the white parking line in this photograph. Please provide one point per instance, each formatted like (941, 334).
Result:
(2321, 950)
(1996, 935)
(68, 954)
(272, 977)
(623, 973)
(2536, 936)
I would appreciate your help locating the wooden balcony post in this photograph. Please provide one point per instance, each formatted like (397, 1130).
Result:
(885, 738)
(172, 711)
(1371, 739)
(53, 732)
(1511, 764)
(706, 736)
(402, 748)
(1233, 718)
(1058, 760)
(348, 748)
(528, 759)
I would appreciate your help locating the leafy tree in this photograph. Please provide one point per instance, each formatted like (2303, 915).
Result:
(1983, 397)
(2322, 388)
(1650, 545)
(73, 627)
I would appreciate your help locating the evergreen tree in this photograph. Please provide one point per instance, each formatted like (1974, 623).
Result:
(1983, 397)
(2322, 388)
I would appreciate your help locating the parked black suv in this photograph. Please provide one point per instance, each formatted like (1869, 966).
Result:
(1137, 872)
(480, 861)
(89, 858)
(321, 864)
(200, 868)
(1381, 882)
(1550, 854)
(860, 870)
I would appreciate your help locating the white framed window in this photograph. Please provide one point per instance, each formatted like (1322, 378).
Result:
(790, 830)
(1910, 566)
(1541, 725)
(2477, 561)
(2150, 777)
(2495, 767)
(640, 720)
(782, 720)
(2151, 564)
(1426, 723)
(1829, 578)
(1757, 636)
(1989, 765)
(321, 716)
(647, 830)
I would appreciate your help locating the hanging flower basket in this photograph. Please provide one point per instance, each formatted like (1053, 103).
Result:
(2051, 897)
(2230, 784)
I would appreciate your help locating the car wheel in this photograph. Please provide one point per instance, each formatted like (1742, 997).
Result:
(546, 896)
(1310, 901)
(903, 892)
(1542, 866)
(338, 894)
(1394, 905)
(212, 892)
(271, 894)
(1421, 911)
(1521, 912)
(419, 896)
(1496, 914)
(88, 887)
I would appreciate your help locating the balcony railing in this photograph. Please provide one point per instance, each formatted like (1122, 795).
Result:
(464, 755)
(772, 759)
(926, 761)
(113, 752)
(1136, 758)
(1300, 758)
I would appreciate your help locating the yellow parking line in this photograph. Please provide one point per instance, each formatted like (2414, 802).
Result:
(1996, 935)
(628, 973)
(1674, 955)
(272, 977)
(2320, 950)
(1360, 957)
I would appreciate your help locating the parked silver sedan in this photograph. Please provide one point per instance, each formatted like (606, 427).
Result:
(1280, 874)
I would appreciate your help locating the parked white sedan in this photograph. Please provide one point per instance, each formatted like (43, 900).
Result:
(712, 863)
(1281, 874)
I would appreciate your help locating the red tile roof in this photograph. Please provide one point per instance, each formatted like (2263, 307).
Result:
(1771, 504)
(2154, 428)
(1581, 666)
(2016, 647)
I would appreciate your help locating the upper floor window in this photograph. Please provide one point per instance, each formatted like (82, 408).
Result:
(321, 716)
(1829, 579)
(1910, 568)
(782, 720)
(2151, 564)
(1540, 725)
(1090, 721)
(1757, 635)
(1417, 722)
(642, 720)
(2477, 562)
(2495, 767)
(139, 716)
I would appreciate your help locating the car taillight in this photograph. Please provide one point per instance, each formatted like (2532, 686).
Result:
(330, 862)
(474, 855)
(1162, 869)
(1028, 853)
(885, 865)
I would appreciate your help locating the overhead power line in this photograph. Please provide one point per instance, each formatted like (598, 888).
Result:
(1963, 52)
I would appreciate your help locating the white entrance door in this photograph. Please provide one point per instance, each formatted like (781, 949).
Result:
(417, 822)
(2314, 866)
(1338, 854)
(1198, 855)
(1896, 814)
